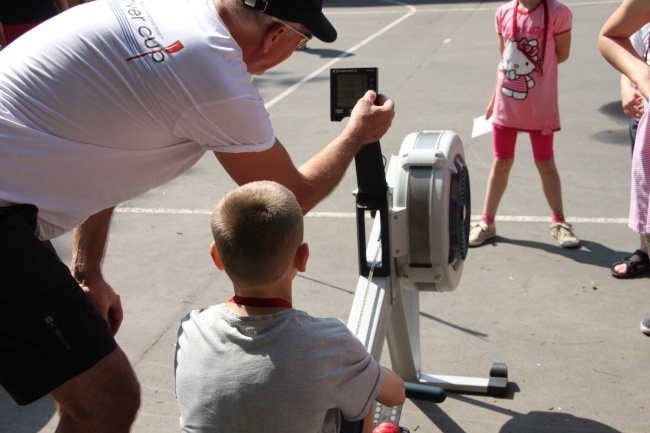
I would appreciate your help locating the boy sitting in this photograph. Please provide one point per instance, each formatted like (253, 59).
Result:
(255, 364)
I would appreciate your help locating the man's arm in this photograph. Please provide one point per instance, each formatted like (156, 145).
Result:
(89, 242)
(316, 178)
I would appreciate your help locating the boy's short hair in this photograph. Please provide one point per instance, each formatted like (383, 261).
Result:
(257, 229)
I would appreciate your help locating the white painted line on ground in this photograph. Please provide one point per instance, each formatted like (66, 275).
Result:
(338, 215)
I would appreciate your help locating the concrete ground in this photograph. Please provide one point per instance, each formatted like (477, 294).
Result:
(568, 331)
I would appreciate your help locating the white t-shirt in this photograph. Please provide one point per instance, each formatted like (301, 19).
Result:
(115, 97)
(640, 42)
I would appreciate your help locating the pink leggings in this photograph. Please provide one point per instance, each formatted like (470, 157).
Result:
(504, 139)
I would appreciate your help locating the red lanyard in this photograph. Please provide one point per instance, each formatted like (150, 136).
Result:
(540, 57)
(260, 302)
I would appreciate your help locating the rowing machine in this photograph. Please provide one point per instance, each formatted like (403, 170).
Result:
(417, 243)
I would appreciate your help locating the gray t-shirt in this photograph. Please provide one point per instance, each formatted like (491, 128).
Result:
(284, 372)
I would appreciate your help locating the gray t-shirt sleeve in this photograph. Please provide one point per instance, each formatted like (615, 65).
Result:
(361, 378)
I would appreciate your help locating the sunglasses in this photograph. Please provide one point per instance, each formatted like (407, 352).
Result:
(305, 38)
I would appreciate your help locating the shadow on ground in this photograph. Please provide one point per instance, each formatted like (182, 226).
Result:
(531, 422)
(589, 252)
(25, 419)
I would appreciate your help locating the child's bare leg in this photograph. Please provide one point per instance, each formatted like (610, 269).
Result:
(551, 185)
(496, 185)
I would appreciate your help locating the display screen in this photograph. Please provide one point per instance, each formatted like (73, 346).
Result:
(350, 87)
(347, 86)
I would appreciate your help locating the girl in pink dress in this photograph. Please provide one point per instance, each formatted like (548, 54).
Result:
(534, 36)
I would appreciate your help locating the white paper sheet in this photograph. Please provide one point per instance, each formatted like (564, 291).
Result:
(481, 126)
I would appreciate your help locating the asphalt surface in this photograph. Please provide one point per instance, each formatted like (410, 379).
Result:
(567, 331)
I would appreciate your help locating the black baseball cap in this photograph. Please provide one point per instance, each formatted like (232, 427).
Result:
(309, 13)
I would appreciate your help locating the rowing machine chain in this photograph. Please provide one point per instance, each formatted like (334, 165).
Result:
(370, 275)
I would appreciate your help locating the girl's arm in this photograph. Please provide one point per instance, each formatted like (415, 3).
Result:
(630, 98)
(490, 107)
(615, 46)
(562, 46)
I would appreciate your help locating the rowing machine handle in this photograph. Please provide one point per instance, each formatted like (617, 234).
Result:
(424, 392)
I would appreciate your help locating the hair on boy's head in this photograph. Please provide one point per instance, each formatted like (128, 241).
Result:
(257, 229)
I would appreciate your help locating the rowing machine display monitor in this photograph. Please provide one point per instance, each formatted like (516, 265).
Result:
(347, 86)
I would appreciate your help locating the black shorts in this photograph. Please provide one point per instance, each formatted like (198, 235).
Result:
(49, 330)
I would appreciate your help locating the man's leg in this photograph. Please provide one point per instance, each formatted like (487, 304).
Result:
(53, 340)
(104, 398)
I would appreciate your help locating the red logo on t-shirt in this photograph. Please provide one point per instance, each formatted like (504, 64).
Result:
(170, 49)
